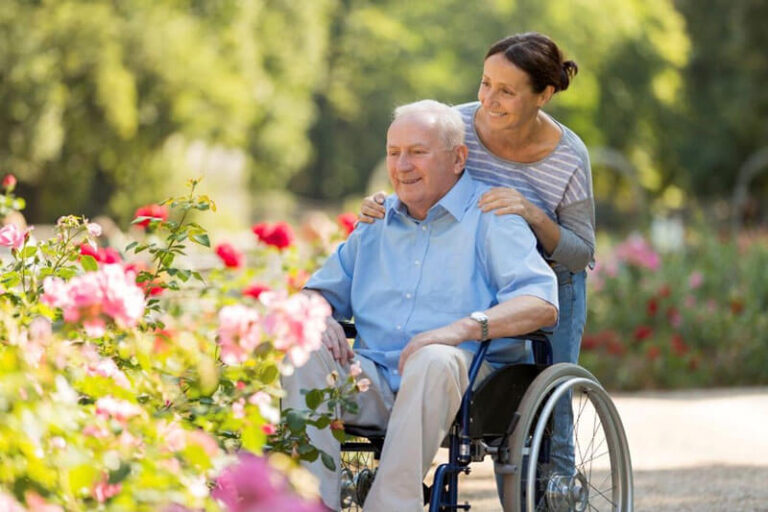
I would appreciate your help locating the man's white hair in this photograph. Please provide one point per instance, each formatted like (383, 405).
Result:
(447, 119)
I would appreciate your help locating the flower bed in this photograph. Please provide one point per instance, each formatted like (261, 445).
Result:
(130, 382)
(691, 318)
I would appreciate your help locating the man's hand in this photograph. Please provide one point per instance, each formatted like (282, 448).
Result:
(336, 342)
(452, 334)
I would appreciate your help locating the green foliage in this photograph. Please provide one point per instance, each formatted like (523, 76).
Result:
(97, 93)
(393, 52)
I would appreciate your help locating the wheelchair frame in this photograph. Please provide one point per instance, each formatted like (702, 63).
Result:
(465, 446)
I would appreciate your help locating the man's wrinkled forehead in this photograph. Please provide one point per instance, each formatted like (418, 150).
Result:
(418, 129)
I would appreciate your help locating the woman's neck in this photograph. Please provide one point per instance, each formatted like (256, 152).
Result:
(527, 142)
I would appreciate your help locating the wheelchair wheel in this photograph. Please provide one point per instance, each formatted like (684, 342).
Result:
(601, 476)
(358, 468)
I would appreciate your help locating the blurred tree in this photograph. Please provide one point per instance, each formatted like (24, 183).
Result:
(92, 91)
(727, 100)
(382, 53)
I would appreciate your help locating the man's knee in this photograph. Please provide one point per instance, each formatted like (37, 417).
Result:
(435, 359)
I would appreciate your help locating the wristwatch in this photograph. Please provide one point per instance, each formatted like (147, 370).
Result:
(482, 319)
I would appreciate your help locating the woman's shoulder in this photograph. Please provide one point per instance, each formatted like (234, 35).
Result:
(467, 110)
(572, 145)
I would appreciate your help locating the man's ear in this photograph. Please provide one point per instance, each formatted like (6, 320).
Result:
(460, 158)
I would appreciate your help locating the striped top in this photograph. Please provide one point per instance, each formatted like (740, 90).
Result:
(560, 184)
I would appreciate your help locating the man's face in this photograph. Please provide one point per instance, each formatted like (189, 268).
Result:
(421, 168)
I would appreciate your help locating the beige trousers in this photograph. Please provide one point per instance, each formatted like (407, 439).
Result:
(416, 420)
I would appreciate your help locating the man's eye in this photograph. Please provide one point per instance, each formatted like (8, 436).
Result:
(484, 83)
(508, 92)
(392, 153)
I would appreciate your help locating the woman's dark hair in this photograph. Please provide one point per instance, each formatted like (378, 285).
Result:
(539, 56)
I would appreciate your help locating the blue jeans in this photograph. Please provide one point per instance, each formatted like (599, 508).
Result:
(566, 342)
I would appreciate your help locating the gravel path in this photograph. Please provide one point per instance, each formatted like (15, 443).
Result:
(701, 451)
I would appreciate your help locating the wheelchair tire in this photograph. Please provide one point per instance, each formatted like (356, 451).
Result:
(599, 443)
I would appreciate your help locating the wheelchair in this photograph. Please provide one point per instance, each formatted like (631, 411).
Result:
(509, 417)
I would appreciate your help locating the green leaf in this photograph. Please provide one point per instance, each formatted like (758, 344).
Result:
(295, 421)
(314, 398)
(118, 475)
(340, 435)
(328, 461)
(201, 239)
(89, 263)
(253, 438)
(269, 374)
(10, 279)
(131, 246)
(28, 251)
(322, 422)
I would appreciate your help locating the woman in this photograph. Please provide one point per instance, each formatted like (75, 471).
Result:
(540, 171)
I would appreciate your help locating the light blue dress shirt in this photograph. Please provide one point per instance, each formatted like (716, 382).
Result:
(400, 276)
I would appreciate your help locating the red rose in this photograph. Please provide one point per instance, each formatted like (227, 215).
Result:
(279, 234)
(346, 222)
(255, 290)
(9, 182)
(653, 353)
(231, 257)
(679, 346)
(101, 255)
(88, 250)
(151, 210)
(643, 332)
(109, 255)
(652, 307)
(664, 291)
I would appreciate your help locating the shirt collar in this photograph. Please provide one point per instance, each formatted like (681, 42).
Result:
(456, 201)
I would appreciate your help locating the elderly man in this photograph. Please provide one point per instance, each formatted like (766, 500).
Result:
(423, 286)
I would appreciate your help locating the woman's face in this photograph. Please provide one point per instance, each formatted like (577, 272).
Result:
(506, 96)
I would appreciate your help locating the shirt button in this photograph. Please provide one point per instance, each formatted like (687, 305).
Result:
(399, 327)
(423, 228)
(417, 262)
(394, 372)
(407, 295)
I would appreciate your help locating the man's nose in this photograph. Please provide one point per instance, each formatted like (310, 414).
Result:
(403, 162)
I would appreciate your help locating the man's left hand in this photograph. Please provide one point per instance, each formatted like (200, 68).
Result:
(448, 335)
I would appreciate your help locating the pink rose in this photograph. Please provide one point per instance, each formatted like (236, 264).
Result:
(120, 410)
(239, 333)
(103, 490)
(363, 385)
(12, 236)
(296, 323)
(252, 485)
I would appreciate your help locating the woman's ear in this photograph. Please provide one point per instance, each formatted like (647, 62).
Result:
(545, 96)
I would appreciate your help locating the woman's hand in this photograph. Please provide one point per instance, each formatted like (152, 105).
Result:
(503, 201)
(372, 208)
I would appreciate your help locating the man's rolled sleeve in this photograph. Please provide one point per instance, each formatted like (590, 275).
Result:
(515, 264)
(334, 279)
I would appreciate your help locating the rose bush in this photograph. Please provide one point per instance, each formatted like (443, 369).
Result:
(691, 318)
(130, 380)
